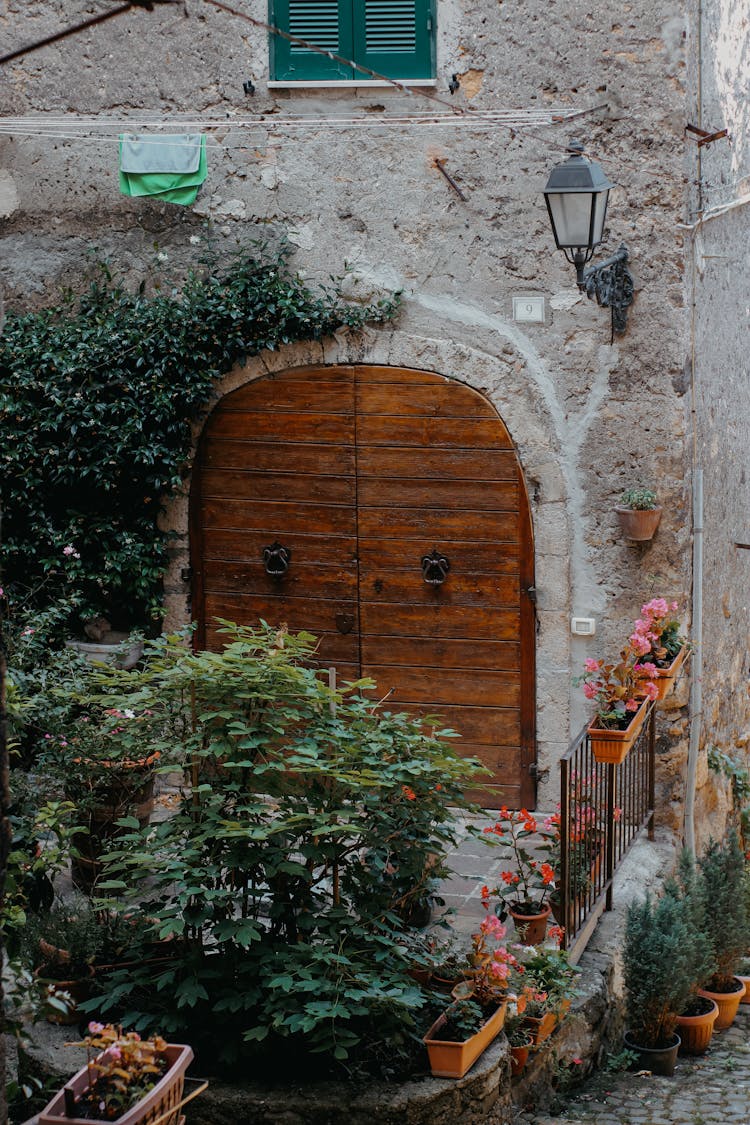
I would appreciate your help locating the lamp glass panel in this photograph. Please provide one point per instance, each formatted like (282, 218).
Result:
(571, 216)
(600, 213)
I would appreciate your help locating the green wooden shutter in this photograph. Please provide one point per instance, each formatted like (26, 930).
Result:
(394, 37)
(327, 24)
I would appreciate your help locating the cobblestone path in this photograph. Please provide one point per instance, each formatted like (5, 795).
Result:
(704, 1091)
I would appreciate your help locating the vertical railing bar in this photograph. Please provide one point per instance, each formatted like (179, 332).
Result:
(651, 771)
(564, 856)
(610, 770)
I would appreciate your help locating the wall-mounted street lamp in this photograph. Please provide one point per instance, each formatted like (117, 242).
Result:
(576, 195)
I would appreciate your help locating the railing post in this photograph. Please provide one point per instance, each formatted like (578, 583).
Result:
(609, 831)
(651, 770)
(566, 905)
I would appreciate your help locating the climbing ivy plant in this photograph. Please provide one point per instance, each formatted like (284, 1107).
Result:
(96, 400)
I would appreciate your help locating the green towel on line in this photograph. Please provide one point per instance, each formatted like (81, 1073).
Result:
(172, 187)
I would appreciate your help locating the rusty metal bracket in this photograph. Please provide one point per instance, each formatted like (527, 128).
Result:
(611, 282)
(706, 137)
(439, 165)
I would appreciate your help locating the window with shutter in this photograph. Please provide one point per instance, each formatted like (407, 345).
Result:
(393, 37)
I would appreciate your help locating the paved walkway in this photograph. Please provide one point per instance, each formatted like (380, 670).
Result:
(709, 1090)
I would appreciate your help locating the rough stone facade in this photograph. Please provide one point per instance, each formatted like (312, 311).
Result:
(588, 417)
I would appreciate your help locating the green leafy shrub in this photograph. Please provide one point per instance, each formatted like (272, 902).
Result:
(313, 821)
(96, 400)
(722, 869)
(657, 969)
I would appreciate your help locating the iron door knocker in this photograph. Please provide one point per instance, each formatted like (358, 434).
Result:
(435, 568)
(276, 560)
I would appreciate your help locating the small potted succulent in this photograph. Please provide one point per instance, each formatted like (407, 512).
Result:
(639, 514)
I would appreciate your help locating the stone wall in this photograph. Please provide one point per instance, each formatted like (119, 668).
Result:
(719, 221)
(588, 416)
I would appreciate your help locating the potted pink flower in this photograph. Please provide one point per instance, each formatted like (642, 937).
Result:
(621, 693)
(656, 638)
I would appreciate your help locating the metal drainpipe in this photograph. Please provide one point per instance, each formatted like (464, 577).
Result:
(696, 685)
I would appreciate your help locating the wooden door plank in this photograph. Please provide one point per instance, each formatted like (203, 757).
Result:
(406, 376)
(228, 484)
(419, 463)
(310, 615)
(332, 647)
(440, 621)
(493, 797)
(428, 526)
(236, 545)
(322, 395)
(462, 433)
(434, 400)
(282, 457)
(466, 557)
(312, 428)
(487, 725)
(471, 687)
(302, 580)
(400, 492)
(429, 652)
(409, 587)
(278, 519)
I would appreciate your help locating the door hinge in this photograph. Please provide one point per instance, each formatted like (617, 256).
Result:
(531, 593)
(186, 573)
(537, 773)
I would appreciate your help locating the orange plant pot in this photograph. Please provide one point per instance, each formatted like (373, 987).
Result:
(453, 1060)
(696, 1032)
(612, 746)
(519, 1056)
(667, 676)
(746, 981)
(531, 929)
(727, 1002)
(540, 1027)
(639, 524)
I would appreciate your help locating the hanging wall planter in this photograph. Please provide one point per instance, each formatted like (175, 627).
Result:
(612, 746)
(639, 514)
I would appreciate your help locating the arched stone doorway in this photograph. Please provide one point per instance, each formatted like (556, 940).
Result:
(361, 473)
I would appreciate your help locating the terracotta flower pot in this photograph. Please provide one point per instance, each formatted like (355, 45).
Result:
(727, 1002)
(639, 524)
(696, 1032)
(531, 929)
(519, 1056)
(613, 746)
(540, 1027)
(746, 981)
(659, 1060)
(667, 676)
(453, 1060)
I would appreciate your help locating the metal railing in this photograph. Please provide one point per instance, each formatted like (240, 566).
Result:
(603, 808)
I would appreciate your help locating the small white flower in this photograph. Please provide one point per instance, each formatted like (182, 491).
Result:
(162, 256)
(128, 714)
(194, 240)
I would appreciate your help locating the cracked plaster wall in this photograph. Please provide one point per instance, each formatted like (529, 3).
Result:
(588, 417)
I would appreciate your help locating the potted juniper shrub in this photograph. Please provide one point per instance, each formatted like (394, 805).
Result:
(61, 947)
(126, 1078)
(657, 976)
(621, 693)
(722, 869)
(698, 1014)
(526, 886)
(657, 639)
(639, 514)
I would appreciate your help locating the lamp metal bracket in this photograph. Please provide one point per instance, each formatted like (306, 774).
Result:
(611, 282)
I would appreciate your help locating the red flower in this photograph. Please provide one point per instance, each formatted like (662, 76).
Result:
(507, 876)
(548, 874)
(408, 793)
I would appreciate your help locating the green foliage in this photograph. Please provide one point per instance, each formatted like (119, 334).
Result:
(689, 889)
(314, 822)
(97, 397)
(657, 969)
(463, 1019)
(723, 872)
(65, 942)
(639, 499)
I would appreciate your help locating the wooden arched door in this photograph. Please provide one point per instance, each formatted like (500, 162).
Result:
(368, 477)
